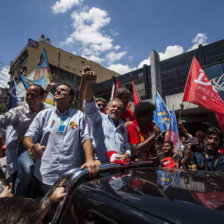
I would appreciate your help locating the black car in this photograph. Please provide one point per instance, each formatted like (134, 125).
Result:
(141, 193)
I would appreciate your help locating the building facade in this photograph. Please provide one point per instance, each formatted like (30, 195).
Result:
(173, 77)
(67, 67)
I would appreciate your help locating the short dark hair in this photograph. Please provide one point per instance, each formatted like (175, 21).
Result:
(71, 92)
(169, 142)
(214, 131)
(121, 91)
(101, 99)
(42, 90)
(19, 210)
(143, 108)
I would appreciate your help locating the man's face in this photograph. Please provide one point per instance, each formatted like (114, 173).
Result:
(33, 97)
(114, 110)
(101, 105)
(183, 139)
(62, 94)
(125, 99)
(212, 142)
(167, 147)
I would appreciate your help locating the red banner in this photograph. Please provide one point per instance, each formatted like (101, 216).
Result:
(135, 94)
(199, 90)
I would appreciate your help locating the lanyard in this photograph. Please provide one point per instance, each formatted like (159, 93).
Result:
(63, 122)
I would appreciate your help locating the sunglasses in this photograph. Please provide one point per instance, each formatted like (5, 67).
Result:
(100, 105)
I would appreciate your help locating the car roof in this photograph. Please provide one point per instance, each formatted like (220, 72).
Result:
(180, 196)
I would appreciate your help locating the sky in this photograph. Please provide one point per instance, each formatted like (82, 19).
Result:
(118, 34)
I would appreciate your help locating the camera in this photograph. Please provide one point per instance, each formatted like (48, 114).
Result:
(197, 148)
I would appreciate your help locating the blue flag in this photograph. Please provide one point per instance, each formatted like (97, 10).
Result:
(172, 133)
(14, 98)
(26, 82)
(41, 76)
(42, 71)
(161, 114)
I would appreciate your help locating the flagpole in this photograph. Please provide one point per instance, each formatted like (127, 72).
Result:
(181, 108)
(188, 77)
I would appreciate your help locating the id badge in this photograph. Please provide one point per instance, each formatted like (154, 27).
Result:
(61, 128)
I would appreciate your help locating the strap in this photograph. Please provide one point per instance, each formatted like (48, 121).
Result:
(216, 162)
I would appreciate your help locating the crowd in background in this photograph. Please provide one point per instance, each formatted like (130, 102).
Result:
(50, 140)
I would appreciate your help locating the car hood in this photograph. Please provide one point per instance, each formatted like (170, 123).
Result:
(180, 196)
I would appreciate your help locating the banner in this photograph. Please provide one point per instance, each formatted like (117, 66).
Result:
(26, 82)
(42, 71)
(199, 90)
(161, 114)
(136, 96)
(40, 76)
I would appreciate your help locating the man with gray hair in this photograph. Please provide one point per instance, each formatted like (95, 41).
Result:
(108, 131)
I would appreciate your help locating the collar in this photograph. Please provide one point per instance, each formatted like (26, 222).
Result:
(111, 120)
(41, 108)
(67, 112)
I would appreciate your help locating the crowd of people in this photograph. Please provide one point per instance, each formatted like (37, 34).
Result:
(50, 140)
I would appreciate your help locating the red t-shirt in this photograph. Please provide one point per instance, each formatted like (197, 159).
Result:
(136, 136)
(127, 115)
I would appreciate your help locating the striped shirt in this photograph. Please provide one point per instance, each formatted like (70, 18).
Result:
(20, 118)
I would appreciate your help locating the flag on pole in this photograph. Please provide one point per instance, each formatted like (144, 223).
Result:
(115, 87)
(161, 114)
(40, 76)
(42, 71)
(172, 133)
(26, 82)
(136, 96)
(199, 90)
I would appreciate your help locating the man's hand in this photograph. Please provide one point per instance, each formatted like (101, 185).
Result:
(6, 193)
(51, 83)
(36, 150)
(124, 156)
(126, 124)
(92, 166)
(57, 195)
(193, 167)
(156, 131)
(90, 76)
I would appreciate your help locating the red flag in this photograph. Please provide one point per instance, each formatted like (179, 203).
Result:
(199, 90)
(135, 93)
(115, 87)
(220, 118)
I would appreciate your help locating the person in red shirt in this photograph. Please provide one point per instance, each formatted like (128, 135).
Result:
(168, 158)
(127, 114)
(142, 133)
